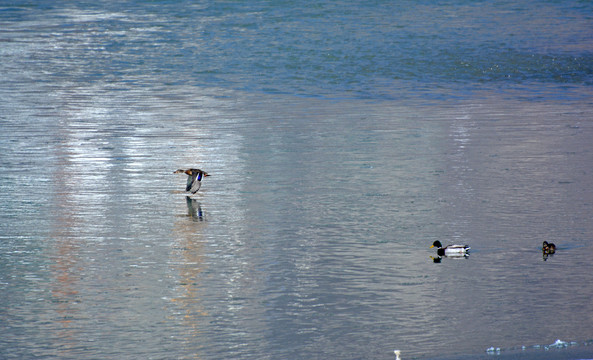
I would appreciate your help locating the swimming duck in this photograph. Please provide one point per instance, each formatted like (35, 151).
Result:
(451, 250)
(548, 248)
(194, 181)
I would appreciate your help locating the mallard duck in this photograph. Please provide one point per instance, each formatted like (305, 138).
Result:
(194, 181)
(450, 250)
(548, 248)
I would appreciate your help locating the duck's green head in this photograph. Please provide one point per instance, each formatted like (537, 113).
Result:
(436, 244)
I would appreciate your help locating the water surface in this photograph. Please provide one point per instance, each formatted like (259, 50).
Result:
(342, 139)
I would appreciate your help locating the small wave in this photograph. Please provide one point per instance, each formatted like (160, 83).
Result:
(558, 344)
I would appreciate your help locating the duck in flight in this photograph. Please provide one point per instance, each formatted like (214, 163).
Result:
(194, 180)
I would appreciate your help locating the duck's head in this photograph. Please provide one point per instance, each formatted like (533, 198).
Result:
(436, 244)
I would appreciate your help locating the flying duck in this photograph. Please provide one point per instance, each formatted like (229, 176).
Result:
(194, 180)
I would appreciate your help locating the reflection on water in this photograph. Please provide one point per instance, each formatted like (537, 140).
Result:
(194, 210)
(65, 259)
(437, 259)
(188, 258)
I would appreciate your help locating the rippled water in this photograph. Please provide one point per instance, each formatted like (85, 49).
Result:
(342, 140)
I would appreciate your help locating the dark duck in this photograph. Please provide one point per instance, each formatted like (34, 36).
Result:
(548, 248)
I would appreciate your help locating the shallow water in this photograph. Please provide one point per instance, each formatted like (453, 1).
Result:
(342, 141)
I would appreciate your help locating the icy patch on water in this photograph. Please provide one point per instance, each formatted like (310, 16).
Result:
(558, 344)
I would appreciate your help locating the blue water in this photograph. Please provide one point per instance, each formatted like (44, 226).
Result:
(342, 138)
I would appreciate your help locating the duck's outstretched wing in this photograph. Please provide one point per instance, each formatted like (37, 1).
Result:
(194, 181)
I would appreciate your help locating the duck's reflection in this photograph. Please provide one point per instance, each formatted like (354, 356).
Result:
(438, 259)
(194, 210)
